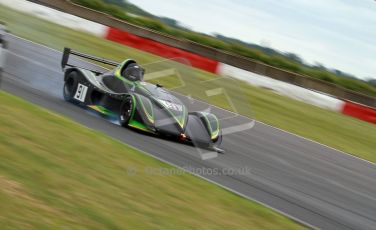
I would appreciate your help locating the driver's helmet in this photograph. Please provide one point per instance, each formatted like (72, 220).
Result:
(133, 72)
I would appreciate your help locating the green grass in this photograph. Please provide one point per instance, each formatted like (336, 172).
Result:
(330, 128)
(55, 173)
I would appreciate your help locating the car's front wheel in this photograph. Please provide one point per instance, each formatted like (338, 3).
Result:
(218, 141)
(126, 111)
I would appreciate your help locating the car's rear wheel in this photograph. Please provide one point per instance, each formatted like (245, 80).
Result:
(70, 86)
(126, 110)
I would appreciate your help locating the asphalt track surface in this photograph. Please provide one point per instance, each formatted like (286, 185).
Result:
(311, 183)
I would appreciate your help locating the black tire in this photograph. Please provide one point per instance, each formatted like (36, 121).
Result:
(70, 87)
(126, 111)
(218, 141)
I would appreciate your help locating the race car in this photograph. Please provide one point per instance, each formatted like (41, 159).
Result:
(123, 94)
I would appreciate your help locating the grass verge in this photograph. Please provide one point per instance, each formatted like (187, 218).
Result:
(330, 128)
(53, 176)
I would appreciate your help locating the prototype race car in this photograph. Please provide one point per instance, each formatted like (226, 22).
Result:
(122, 94)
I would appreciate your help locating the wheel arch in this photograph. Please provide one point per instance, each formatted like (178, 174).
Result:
(210, 122)
(80, 72)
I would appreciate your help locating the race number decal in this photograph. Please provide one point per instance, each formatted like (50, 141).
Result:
(81, 93)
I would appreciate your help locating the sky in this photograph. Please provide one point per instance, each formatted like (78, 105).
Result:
(339, 34)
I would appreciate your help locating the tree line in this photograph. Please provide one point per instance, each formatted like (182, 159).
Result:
(288, 61)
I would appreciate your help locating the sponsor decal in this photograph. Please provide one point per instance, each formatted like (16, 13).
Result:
(172, 106)
(81, 92)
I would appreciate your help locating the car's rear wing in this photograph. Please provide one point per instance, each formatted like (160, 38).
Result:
(68, 51)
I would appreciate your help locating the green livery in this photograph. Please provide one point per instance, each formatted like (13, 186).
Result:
(122, 94)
